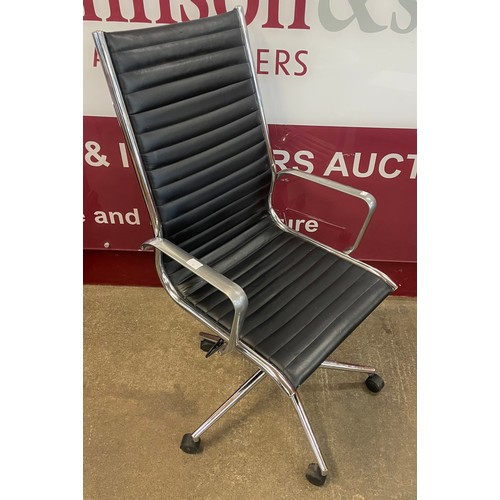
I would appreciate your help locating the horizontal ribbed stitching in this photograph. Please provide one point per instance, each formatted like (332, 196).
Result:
(174, 223)
(256, 284)
(219, 238)
(305, 351)
(236, 219)
(161, 95)
(209, 173)
(295, 294)
(244, 266)
(245, 278)
(158, 74)
(190, 107)
(137, 46)
(201, 192)
(204, 223)
(213, 257)
(174, 171)
(193, 146)
(189, 129)
(286, 335)
(239, 243)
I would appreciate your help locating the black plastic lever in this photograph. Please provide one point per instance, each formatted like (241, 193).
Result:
(215, 348)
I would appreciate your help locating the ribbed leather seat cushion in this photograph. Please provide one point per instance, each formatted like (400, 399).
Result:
(303, 300)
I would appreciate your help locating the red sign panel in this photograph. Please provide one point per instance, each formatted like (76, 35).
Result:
(115, 215)
(378, 160)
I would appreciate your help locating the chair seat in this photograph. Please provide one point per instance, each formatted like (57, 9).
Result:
(303, 300)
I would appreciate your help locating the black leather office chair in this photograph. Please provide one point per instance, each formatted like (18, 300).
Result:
(187, 100)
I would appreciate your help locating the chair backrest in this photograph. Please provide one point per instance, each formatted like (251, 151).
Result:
(192, 102)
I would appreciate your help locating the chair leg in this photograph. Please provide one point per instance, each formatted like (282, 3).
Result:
(334, 365)
(316, 472)
(375, 383)
(191, 442)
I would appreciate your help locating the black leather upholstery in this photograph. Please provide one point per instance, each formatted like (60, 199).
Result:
(303, 300)
(192, 104)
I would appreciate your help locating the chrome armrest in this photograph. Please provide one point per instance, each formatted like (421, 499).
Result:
(234, 292)
(365, 196)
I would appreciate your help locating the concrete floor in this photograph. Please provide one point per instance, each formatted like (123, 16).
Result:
(146, 383)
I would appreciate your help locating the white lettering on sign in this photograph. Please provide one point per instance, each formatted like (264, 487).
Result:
(389, 166)
(310, 226)
(92, 157)
(413, 174)
(282, 157)
(95, 158)
(131, 218)
(384, 160)
(123, 154)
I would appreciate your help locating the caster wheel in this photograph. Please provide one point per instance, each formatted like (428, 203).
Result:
(314, 476)
(206, 345)
(189, 445)
(375, 383)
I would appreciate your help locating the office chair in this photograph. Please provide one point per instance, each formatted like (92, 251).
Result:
(187, 100)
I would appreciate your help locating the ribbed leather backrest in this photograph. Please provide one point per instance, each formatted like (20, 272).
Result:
(191, 101)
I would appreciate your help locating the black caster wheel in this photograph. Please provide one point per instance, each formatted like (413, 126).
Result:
(189, 445)
(206, 345)
(314, 476)
(375, 383)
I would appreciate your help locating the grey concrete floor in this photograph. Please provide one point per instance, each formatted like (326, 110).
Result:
(146, 383)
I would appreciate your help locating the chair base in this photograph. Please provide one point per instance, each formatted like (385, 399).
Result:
(317, 472)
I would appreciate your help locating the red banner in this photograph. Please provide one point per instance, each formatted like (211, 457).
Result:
(378, 160)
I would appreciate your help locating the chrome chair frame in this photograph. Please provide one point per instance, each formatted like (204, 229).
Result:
(232, 290)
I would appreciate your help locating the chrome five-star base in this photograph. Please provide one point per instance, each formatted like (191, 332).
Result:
(317, 471)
